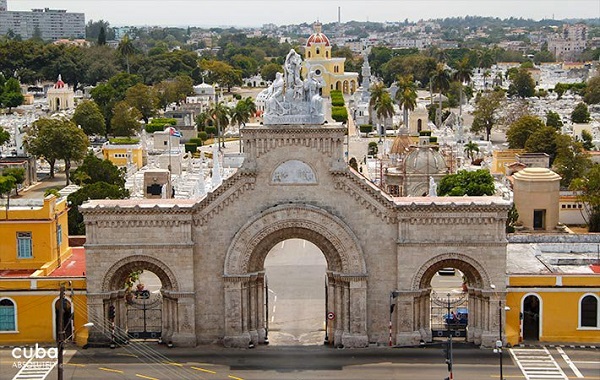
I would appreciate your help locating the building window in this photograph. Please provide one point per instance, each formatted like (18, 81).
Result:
(588, 311)
(24, 250)
(58, 235)
(8, 315)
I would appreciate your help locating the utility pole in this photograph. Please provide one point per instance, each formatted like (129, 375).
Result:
(449, 348)
(60, 335)
(500, 336)
(326, 341)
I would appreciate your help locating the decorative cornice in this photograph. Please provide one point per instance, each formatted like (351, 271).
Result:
(366, 194)
(454, 244)
(134, 245)
(225, 195)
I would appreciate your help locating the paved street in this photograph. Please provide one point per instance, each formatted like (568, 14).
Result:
(152, 361)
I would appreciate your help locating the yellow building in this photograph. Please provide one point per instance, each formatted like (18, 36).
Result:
(553, 290)
(35, 259)
(328, 70)
(501, 158)
(123, 154)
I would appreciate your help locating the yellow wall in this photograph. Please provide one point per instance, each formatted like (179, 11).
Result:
(41, 222)
(109, 152)
(35, 318)
(559, 306)
(502, 157)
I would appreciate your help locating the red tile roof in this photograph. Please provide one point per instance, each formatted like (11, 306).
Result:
(16, 273)
(595, 268)
(74, 266)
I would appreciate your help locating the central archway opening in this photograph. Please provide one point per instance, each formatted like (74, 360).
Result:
(295, 271)
(449, 303)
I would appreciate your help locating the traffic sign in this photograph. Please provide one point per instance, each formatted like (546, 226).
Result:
(331, 316)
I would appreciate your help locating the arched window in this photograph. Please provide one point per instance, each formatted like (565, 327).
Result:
(327, 54)
(318, 51)
(419, 125)
(308, 54)
(8, 315)
(588, 311)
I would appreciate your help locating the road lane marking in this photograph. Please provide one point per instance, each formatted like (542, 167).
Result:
(175, 364)
(146, 377)
(76, 364)
(567, 359)
(132, 355)
(110, 370)
(235, 378)
(204, 370)
(537, 363)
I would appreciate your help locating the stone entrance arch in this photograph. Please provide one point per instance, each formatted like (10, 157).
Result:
(244, 272)
(482, 297)
(177, 326)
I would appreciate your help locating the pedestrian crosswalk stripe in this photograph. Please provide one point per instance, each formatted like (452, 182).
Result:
(537, 364)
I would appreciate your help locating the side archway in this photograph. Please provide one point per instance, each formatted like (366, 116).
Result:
(244, 272)
(478, 294)
(118, 272)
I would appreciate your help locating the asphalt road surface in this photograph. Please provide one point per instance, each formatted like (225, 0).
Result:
(152, 361)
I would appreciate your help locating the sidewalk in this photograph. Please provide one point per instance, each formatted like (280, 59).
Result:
(37, 190)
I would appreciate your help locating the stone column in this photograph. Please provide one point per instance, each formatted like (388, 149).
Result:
(260, 310)
(425, 324)
(339, 311)
(253, 310)
(100, 333)
(356, 303)
(184, 331)
(406, 331)
(235, 336)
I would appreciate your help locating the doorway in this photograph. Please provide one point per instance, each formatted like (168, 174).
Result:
(531, 318)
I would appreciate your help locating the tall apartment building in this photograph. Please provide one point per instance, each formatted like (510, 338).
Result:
(570, 43)
(49, 24)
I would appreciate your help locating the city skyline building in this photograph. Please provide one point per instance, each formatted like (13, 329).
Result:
(46, 23)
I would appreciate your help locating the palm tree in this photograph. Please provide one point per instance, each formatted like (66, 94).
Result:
(384, 108)
(406, 96)
(126, 49)
(441, 82)
(462, 75)
(470, 149)
(377, 91)
(220, 114)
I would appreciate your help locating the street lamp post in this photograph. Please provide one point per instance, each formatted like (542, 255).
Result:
(500, 342)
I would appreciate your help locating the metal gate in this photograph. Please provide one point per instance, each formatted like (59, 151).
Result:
(144, 315)
(449, 314)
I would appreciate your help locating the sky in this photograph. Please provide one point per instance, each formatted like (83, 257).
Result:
(281, 12)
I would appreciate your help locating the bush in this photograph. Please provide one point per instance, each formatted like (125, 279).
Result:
(197, 141)
(425, 133)
(372, 149)
(337, 99)
(191, 147)
(151, 128)
(203, 136)
(210, 130)
(366, 128)
(339, 114)
(123, 140)
(433, 139)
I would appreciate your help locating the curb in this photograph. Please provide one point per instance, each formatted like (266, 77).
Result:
(566, 345)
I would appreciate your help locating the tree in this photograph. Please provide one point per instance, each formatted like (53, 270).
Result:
(144, 99)
(243, 110)
(102, 36)
(476, 183)
(519, 132)
(588, 193)
(57, 139)
(126, 49)
(94, 170)
(11, 94)
(18, 174)
(543, 140)
(219, 113)
(470, 149)
(484, 116)
(572, 161)
(268, 71)
(580, 114)
(406, 96)
(553, 120)
(463, 75)
(7, 183)
(98, 190)
(384, 108)
(125, 120)
(4, 136)
(591, 94)
(440, 81)
(522, 84)
(221, 73)
(587, 140)
(90, 118)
